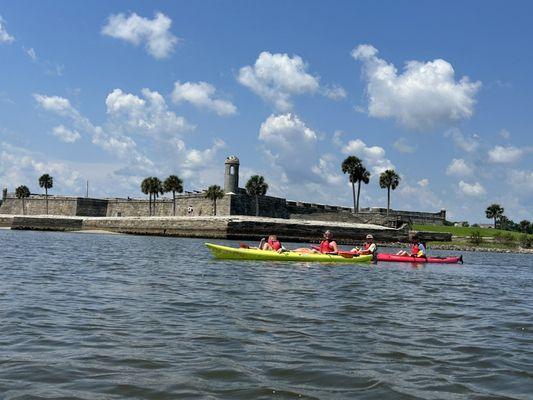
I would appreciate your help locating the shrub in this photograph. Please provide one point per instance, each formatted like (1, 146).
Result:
(526, 241)
(475, 237)
(475, 225)
(509, 239)
(498, 237)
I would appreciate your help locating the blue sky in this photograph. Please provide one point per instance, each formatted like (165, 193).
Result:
(117, 91)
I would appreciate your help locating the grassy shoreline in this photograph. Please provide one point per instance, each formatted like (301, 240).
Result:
(491, 239)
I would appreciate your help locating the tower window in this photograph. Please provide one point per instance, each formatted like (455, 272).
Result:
(232, 170)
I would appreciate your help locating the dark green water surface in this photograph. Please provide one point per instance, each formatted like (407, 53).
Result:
(116, 317)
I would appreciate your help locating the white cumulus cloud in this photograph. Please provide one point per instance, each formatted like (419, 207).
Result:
(154, 33)
(277, 77)
(290, 147)
(195, 158)
(202, 95)
(4, 36)
(505, 155)
(468, 143)
(148, 115)
(373, 156)
(459, 167)
(403, 146)
(55, 104)
(334, 92)
(423, 182)
(19, 166)
(471, 189)
(521, 180)
(423, 96)
(286, 130)
(112, 140)
(66, 135)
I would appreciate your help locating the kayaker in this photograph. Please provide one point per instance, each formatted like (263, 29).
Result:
(272, 244)
(417, 249)
(369, 247)
(328, 245)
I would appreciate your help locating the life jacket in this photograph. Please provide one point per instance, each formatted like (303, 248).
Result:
(367, 245)
(275, 244)
(325, 247)
(416, 250)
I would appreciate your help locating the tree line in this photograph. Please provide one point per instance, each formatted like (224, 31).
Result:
(496, 213)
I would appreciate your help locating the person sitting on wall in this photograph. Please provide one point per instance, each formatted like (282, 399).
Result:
(417, 249)
(272, 244)
(369, 247)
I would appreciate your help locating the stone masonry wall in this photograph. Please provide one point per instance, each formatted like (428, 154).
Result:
(91, 207)
(413, 217)
(230, 204)
(163, 208)
(36, 205)
(273, 207)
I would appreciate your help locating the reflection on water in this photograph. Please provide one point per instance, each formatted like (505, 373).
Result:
(109, 317)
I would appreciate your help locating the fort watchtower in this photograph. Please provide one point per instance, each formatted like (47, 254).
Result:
(231, 175)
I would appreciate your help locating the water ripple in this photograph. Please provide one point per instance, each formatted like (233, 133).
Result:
(114, 317)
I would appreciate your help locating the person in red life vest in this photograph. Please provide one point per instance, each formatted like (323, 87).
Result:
(328, 245)
(272, 244)
(417, 249)
(369, 247)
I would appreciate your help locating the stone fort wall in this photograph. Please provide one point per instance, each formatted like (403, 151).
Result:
(57, 205)
(230, 204)
(201, 206)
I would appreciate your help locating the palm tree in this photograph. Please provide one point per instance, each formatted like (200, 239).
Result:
(363, 177)
(156, 188)
(353, 166)
(213, 193)
(22, 192)
(390, 180)
(494, 211)
(46, 182)
(145, 188)
(255, 187)
(173, 184)
(525, 225)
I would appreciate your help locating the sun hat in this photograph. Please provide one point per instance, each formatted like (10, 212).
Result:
(369, 236)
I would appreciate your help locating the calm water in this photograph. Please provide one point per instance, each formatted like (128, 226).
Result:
(113, 317)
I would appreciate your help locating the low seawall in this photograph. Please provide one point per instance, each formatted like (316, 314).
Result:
(240, 227)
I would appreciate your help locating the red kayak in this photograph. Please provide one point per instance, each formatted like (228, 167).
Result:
(410, 259)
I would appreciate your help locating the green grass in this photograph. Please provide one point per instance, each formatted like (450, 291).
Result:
(464, 232)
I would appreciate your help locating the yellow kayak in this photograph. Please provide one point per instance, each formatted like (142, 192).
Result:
(231, 253)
